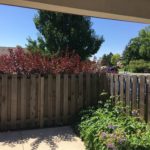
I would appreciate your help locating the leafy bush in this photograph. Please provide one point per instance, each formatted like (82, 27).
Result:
(109, 127)
(138, 66)
(17, 61)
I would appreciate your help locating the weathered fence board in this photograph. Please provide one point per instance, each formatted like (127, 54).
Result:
(88, 89)
(121, 88)
(23, 101)
(4, 102)
(58, 99)
(134, 92)
(148, 99)
(50, 98)
(41, 104)
(80, 100)
(66, 100)
(73, 98)
(142, 96)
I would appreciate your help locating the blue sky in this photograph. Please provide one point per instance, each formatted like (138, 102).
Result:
(16, 24)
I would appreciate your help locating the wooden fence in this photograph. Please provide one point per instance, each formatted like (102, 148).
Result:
(35, 101)
(133, 90)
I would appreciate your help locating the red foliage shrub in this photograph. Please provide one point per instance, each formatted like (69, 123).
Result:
(19, 62)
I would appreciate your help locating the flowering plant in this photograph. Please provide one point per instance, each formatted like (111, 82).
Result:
(109, 127)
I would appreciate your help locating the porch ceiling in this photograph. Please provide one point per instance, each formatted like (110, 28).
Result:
(129, 10)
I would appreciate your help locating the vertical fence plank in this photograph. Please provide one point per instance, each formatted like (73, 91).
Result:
(134, 93)
(128, 97)
(73, 100)
(80, 91)
(142, 96)
(1, 98)
(4, 103)
(97, 89)
(36, 101)
(50, 97)
(65, 106)
(9, 102)
(148, 98)
(116, 88)
(23, 101)
(69, 96)
(54, 99)
(41, 104)
(14, 102)
(28, 91)
(58, 99)
(112, 85)
(32, 100)
(76, 94)
(121, 80)
(61, 97)
(88, 90)
(18, 124)
(108, 76)
(45, 101)
(93, 89)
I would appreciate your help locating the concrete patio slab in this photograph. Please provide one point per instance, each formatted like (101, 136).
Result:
(10, 141)
(61, 138)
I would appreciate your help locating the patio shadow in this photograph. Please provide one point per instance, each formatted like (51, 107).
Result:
(33, 139)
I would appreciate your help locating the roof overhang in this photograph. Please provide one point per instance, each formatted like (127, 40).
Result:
(129, 10)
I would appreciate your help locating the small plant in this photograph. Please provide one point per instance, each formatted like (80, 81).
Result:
(109, 127)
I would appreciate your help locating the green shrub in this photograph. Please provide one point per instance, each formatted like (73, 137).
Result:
(138, 66)
(111, 128)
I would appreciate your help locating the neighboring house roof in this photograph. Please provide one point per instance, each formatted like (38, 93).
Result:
(5, 50)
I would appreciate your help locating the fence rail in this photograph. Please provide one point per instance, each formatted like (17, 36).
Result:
(35, 101)
(133, 90)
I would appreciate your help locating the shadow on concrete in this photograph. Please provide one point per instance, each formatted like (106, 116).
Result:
(50, 136)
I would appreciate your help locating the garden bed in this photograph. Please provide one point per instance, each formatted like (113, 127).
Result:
(110, 127)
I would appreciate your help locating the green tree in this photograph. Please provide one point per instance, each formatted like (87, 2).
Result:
(115, 58)
(63, 32)
(106, 59)
(138, 47)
